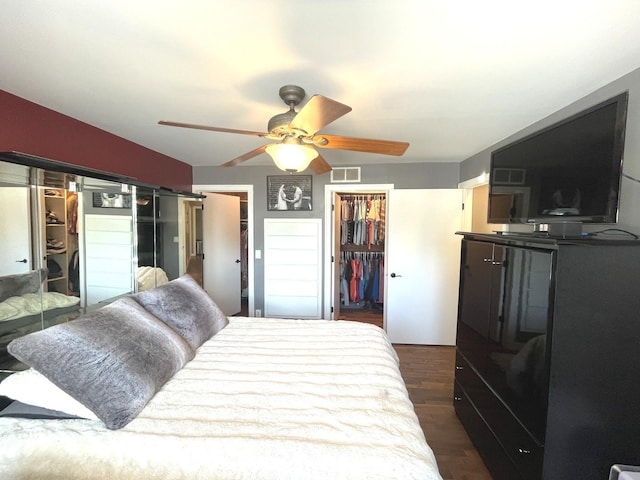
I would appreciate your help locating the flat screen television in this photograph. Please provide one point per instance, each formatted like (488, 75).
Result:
(569, 172)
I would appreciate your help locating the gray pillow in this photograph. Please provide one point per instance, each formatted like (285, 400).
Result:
(112, 360)
(22, 283)
(186, 307)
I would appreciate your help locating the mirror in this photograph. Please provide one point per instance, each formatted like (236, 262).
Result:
(74, 242)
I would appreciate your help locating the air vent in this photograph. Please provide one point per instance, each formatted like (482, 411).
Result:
(345, 175)
(508, 176)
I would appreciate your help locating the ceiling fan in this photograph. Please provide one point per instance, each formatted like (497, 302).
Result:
(297, 134)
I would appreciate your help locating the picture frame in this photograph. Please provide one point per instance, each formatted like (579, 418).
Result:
(111, 200)
(289, 192)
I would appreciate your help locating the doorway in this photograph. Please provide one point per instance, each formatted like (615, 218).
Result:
(245, 228)
(349, 296)
(359, 256)
(420, 278)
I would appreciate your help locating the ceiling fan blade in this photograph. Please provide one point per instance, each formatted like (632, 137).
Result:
(384, 147)
(245, 157)
(319, 165)
(317, 113)
(213, 129)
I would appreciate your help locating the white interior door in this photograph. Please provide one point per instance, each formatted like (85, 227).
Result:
(422, 266)
(293, 268)
(15, 231)
(107, 270)
(221, 247)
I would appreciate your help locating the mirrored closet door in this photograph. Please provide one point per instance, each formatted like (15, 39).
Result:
(73, 242)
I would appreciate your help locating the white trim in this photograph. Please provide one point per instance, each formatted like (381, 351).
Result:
(481, 179)
(203, 189)
(329, 191)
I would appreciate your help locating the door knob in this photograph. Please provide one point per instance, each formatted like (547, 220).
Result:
(393, 275)
(238, 260)
(24, 260)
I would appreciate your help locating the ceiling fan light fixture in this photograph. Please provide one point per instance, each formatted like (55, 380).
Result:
(291, 157)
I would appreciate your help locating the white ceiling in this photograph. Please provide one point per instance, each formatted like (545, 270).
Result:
(449, 76)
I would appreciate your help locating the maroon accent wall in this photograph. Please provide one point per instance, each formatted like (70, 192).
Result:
(27, 127)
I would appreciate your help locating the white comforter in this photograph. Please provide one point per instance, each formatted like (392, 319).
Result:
(263, 399)
(32, 303)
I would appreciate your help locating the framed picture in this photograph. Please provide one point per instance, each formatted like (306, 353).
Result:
(289, 192)
(111, 200)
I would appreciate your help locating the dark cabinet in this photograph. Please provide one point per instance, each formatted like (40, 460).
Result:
(548, 343)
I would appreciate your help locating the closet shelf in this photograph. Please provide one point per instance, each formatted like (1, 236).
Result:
(350, 247)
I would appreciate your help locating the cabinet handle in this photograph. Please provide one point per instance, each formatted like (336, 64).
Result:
(524, 451)
(496, 263)
(459, 367)
(487, 260)
(457, 398)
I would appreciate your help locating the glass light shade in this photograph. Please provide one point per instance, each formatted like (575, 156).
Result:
(291, 157)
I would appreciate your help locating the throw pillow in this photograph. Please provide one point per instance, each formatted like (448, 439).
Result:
(112, 360)
(186, 307)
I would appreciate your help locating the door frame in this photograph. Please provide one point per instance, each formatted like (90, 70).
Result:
(248, 189)
(467, 187)
(329, 234)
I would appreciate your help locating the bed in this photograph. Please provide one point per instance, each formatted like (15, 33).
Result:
(260, 399)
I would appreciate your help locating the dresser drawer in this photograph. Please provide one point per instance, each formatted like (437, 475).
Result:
(495, 458)
(519, 446)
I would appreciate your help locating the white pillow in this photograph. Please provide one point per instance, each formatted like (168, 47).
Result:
(33, 388)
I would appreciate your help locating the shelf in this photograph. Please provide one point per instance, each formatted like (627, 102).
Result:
(361, 248)
(56, 279)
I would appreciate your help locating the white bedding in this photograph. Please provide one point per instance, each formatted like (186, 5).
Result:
(263, 399)
(150, 277)
(34, 303)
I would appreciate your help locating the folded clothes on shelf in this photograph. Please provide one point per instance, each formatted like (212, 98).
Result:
(55, 246)
(53, 218)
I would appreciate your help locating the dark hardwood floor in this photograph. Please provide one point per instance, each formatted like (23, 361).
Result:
(428, 374)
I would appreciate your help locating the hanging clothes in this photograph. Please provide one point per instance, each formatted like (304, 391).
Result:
(360, 278)
(361, 261)
(344, 285)
(354, 290)
(361, 220)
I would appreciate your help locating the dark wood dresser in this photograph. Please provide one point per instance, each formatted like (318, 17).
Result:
(547, 380)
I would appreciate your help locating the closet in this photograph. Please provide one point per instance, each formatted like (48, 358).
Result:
(59, 207)
(360, 254)
(417, 250)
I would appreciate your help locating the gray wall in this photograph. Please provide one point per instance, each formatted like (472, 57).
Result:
(401, 175)
(629, 208)
(445, 175)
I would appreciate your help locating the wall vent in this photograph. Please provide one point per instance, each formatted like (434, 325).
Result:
(508, 176)
(345, 175)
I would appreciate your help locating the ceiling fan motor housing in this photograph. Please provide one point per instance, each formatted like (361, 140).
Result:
(292, 95)
(278, 124)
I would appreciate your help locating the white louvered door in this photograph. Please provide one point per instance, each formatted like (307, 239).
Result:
(108, 257)
(293, 268)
